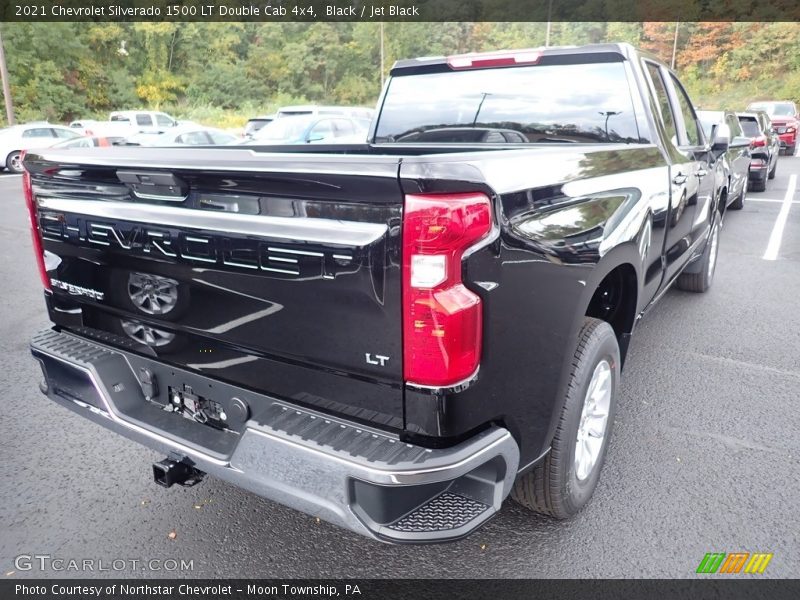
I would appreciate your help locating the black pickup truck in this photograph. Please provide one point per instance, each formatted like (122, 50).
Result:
(392, 336)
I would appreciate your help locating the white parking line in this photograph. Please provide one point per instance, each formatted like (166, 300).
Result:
(777, 230)
(777, 200)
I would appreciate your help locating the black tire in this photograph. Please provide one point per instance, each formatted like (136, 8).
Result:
(553, 487)
(759, 185)
(13, 162)
(790, 150)
(700, 275)
(738, 204)
(772, 172)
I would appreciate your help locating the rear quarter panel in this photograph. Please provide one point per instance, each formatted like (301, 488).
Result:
(565, 219)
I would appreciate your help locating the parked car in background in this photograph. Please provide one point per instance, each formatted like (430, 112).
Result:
(732, 167)
(357, 112)
(465, 135)
(145, 120)
(313, 129)
(256, 123)
(93, 128)
(785, 119)
(15, 139)
(764, 148)
(88, 141)
(184, 135)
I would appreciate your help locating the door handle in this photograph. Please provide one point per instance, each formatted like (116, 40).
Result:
(679, 179)
(701, 172)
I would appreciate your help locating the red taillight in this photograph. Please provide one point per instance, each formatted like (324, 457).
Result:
(497, 59)
(758, 142)
(757, 163)
(441, 317)
(36, 235)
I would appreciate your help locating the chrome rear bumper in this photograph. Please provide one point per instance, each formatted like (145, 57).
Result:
(354, 476)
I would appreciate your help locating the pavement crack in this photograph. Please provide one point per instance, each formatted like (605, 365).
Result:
(733, 443)
(742, 363)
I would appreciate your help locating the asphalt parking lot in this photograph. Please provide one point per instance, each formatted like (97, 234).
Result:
(704, 458)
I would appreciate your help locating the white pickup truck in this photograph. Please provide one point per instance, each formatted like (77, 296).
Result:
(126, 123)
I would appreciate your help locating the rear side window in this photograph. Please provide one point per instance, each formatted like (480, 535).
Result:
(693, 134)
(38, 132)
(664, 106)
(193, 138)
(144, 120)
(750, 126)
(546, 103)
(733, 125)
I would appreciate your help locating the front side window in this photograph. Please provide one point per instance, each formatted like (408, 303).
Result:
(343, 127)
(163, 120)
(321, 131)
(218, 137)
(65, 134)
(545, 103)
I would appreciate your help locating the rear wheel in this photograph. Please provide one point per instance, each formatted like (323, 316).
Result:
(562, 483)
(759, 185)
(738, 204)
(702, 272)
(14, 161)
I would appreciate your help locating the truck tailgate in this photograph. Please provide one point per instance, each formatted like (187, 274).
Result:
(276, 272)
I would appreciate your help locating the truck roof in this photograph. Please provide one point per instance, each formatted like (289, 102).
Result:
(507, 58)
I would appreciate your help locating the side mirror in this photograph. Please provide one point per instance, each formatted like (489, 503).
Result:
(721, 140)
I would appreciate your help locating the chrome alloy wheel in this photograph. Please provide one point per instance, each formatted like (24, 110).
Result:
(15, 162)
(144, 334)
(594, 420)
(152, 294)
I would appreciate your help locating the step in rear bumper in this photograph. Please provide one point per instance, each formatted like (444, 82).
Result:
(354, 476)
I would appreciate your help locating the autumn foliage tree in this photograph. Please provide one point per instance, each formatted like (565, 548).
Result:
(62, 71)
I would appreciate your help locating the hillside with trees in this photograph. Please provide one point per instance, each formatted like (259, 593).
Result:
(221, 73)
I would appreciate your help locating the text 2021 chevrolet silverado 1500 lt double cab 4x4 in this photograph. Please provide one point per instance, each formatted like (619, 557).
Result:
(392, 336)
